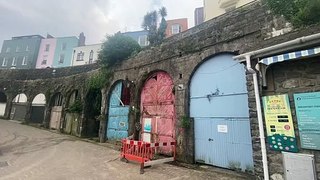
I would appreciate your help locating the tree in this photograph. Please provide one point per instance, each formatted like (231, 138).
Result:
(298, 12)
(117, 48)
(163, 24)
(150, 23)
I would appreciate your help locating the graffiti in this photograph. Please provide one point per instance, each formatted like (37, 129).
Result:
(210, 96)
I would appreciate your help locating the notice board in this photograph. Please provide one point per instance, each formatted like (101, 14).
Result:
(308, 116)
(278, 118)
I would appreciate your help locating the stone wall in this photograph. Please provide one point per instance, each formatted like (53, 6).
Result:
(183, 53)
(288, 78)
(245, 29)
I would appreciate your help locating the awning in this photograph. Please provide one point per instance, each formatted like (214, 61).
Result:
(290, 56)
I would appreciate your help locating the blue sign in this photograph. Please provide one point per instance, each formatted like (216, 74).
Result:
(308, 115)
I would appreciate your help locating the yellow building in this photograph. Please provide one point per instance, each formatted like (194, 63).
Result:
(214, 8)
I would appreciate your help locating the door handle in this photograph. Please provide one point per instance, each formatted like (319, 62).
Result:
(210, 139)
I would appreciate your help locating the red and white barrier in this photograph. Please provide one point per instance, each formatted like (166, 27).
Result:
(144, 152)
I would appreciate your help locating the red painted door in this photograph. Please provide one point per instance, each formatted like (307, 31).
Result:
(157, 109)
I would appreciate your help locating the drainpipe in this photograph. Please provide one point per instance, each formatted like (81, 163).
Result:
(260, 120)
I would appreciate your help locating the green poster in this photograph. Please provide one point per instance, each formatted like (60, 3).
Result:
(308, 115)
(280, 129)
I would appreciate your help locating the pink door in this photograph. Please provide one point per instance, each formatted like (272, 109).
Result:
(157, 109)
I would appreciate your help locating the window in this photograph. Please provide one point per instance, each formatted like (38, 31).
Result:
(64, 46)
(91, 57)
(18, 49)
(80, 56)
(143, 40)
(27, 48)
(44, 60)
(7, 50)
(61, 59)
(24, 60)
(176, 28)
(47, 47)
(14, 62)
(4, 62)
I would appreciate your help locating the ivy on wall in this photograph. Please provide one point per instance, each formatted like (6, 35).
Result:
(298, 12)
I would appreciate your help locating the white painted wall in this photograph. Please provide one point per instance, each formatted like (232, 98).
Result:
(86, 50)
(40, 99)
(20, 98)
(2, 108)
(212, 8)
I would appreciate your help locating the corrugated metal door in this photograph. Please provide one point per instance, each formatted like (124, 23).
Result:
(157, 109)
(219, 106)
(55, 117)
(118, 115)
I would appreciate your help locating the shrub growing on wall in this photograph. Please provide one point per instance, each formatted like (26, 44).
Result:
(76, 107)
(298, 12)
(117, 48)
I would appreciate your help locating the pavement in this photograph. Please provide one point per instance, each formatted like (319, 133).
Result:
(31, 153)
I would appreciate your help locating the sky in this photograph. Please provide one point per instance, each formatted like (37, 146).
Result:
(95, 18)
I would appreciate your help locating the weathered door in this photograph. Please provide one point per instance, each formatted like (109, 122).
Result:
(37, 114)
(2, 108)
(157, 109)
(118, 115)
(55, 117)
(219, 106)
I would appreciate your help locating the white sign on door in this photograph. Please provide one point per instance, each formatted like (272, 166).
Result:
(223, 128)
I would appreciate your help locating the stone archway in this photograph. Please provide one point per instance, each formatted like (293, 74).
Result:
(38, 108)
(158, 116)
(19, 107)
(118, 111)
(3, 104)
(56, 111)
(92, 111)
(71, 123)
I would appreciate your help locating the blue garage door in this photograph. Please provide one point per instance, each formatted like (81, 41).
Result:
(118, 115)
(219, 106)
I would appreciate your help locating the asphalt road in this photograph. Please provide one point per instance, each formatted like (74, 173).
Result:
(30, 153)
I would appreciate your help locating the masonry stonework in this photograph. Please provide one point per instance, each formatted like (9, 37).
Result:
(245, 29)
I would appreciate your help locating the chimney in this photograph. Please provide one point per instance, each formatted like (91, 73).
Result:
(49, 36)
(82, 40)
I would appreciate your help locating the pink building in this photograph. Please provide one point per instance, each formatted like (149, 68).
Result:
(176, 26)
(46, 52)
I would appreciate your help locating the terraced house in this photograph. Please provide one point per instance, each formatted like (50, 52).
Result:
(20, 52)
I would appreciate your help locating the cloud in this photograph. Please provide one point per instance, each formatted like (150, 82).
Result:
(95, 18)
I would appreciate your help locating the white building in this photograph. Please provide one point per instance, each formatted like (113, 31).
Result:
(85, 54)
(214, 8)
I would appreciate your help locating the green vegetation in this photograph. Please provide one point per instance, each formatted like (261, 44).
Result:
(150, 23)
(298, 12)
(185, 122)
(117, 48)
(100, 79)
(76, 107)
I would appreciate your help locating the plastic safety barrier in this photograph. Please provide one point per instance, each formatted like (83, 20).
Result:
(144, 152)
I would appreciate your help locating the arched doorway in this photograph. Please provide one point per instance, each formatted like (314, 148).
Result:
(3, 103)
(38, 108)
(19, 108)
(118, 111)
(92, 112)
(56, 111)
(73, 114)
(158, 116)
(219, 106)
